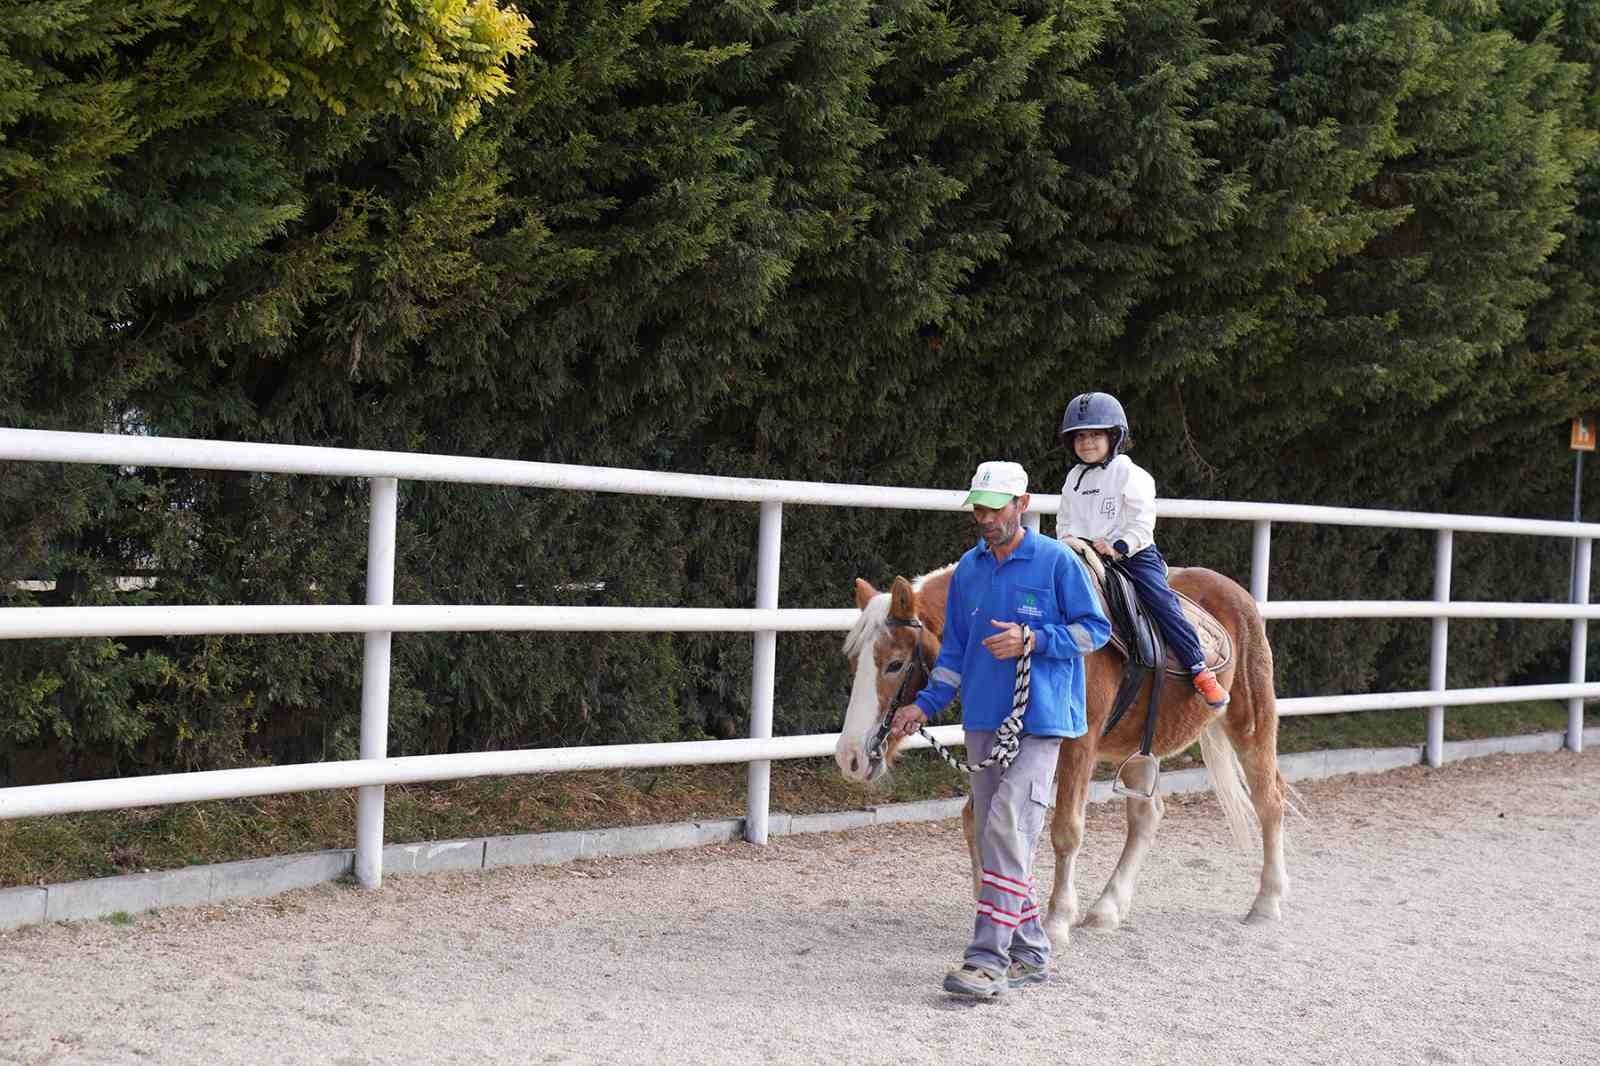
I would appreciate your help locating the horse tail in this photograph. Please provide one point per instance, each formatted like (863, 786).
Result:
(1251, 721)
(1256, 676)
(1228, 782)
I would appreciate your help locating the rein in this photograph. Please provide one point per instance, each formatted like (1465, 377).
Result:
(1007, 739)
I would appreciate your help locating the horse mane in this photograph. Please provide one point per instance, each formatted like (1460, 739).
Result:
(875, 615)
(868, 626)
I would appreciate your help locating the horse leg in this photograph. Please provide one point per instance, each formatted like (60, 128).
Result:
(1260, 760)
(1144, 815)
(1066, 835)
(969, 829)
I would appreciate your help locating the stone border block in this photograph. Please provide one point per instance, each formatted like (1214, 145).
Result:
(1517, 745)
(532, 849)
(1303, 765)
(130, 893)
(1395, 758)
(1536, 742)
(1195, 779)
(434, 856)
(832, 821)
(1454, 750)
(21, 906)
(919, 810)
(644, 839)
(253, 878)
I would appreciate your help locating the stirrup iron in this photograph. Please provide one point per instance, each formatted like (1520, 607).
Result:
(1120, 789)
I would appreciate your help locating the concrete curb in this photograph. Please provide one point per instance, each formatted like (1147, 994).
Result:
(132, 893)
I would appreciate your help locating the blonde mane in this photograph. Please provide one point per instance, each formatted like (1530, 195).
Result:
(875, 615)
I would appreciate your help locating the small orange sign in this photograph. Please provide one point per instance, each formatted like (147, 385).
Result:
(1583, 433)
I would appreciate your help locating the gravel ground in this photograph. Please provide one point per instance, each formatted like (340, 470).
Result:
(1444, 916)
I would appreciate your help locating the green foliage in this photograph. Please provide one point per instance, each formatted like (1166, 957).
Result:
(1339, 254)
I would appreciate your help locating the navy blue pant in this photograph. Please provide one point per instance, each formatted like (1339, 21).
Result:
(1148, 569)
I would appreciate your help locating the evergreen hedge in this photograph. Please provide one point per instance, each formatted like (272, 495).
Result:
(1336, 254)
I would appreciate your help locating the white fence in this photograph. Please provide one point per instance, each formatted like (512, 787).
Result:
(381, 617)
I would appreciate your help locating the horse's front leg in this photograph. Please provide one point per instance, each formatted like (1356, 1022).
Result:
(1144, 815)
(1073, 771)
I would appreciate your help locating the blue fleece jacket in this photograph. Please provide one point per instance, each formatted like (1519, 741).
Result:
(1043, 585)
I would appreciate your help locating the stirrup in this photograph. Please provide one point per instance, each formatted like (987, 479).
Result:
(1119, 789)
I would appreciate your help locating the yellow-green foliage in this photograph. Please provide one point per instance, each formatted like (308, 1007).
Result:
(83, 83)
(432, 57)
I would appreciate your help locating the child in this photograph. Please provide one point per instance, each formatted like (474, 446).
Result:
(1110, 501)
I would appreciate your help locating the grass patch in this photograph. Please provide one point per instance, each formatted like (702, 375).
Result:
(119, 918)
(62, 848)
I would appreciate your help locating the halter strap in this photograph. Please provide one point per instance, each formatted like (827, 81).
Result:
(875, 748)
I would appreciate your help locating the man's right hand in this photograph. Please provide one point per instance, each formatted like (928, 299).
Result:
(909, 719)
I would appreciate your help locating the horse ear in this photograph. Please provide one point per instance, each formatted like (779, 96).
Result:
(902, 601)
(864, 593)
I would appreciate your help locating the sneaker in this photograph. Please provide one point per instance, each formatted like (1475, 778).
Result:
(1205, 683)
(976, 982)
(1027, 973)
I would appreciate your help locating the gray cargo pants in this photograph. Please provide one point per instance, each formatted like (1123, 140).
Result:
(1009, 807)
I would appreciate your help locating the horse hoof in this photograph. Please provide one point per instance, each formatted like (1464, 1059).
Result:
(1059, 930)
(1102, 919)
(1262, 913)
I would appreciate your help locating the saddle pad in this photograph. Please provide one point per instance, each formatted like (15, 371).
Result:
(1214, 640)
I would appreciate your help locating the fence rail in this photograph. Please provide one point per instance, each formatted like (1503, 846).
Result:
(379, 618)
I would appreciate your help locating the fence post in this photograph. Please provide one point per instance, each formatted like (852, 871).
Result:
(1031, 520)
(763, 671)
(375, 681)
(1260, 556)
(1439, 646)
(1579, 660)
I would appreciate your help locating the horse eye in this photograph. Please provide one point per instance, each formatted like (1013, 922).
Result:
(895, 667)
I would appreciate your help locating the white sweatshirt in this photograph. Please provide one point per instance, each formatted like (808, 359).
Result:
(1112, 502)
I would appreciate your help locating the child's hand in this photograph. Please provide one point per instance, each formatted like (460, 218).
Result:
(1104, 548)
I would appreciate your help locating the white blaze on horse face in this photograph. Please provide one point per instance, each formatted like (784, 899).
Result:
(861, 719)
(863, 713)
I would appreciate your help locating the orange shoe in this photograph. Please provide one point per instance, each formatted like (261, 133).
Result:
(1205, 683)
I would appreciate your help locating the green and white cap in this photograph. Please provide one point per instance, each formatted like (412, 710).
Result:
(997, 483)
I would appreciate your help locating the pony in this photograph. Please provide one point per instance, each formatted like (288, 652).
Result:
(1240, 744)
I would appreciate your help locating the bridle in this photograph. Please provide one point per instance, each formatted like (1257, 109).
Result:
(917, 664)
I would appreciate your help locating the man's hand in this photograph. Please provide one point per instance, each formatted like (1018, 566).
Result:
(1006, 644)
(1104, 548)
(907, 720)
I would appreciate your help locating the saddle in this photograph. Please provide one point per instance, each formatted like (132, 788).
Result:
(1136, 636)
(1127, 633)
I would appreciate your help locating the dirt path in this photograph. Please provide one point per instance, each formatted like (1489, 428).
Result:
(1444, 916)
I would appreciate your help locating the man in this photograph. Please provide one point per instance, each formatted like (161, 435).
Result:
(1012, 577)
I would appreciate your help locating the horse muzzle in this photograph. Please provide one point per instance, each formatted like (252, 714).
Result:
(858, 763)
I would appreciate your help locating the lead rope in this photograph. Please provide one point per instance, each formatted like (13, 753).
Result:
(1008, 738)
